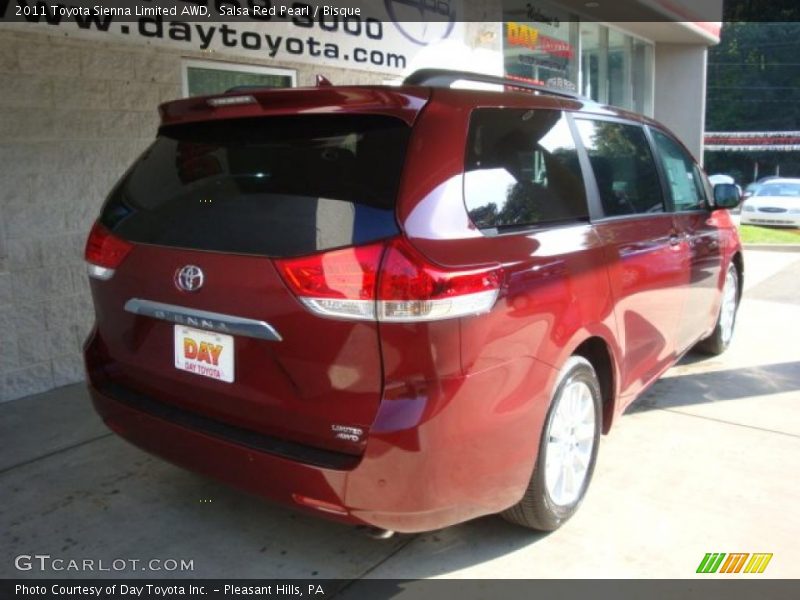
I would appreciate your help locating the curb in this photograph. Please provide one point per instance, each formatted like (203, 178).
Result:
(773, 247)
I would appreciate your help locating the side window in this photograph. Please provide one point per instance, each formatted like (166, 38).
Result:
(623, 167)
(522, 169)
(683, 175)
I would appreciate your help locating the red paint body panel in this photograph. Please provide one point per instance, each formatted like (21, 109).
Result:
(403, 103)
(289, 389)
(439, 439)
(452, 410)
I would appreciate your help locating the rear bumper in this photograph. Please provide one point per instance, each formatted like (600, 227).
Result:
(258, 472)
(464, 452)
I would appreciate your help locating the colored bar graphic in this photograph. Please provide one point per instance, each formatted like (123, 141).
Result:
(710, 562)
(758, 562)
(740, 564)
(733, 564)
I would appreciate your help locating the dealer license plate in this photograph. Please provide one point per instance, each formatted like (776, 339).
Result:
(204, 353)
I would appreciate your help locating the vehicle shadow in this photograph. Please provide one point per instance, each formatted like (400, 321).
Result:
(107, 498)
(714, 386)
(483, 540)
(280, 542)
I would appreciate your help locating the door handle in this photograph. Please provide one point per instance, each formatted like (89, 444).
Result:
(674, 239)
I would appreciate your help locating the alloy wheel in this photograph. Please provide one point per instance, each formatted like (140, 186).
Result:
(727, 315)
(570, 442)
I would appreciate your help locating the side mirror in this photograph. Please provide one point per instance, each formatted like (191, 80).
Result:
(726, 195)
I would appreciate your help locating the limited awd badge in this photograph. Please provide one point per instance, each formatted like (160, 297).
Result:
(189, 278)
(345, 432)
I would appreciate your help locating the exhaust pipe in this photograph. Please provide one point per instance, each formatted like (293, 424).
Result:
(377, 533)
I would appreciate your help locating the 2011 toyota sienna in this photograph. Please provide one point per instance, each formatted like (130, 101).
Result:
(403, 307)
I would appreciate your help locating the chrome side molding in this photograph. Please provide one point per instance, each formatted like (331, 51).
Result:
(203, 319)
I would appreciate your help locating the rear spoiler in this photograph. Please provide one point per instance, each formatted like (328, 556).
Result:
(401, 102)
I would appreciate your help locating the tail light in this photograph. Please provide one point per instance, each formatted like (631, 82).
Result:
(388, 282)
(336, 284)
(412, 289)
(104, 252)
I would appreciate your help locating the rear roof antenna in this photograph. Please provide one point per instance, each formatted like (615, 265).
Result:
(323, 81)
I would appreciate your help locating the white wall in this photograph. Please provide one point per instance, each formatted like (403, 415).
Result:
(680, 92)
(74, 114)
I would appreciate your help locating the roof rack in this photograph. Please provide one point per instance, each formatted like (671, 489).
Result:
(445, 78)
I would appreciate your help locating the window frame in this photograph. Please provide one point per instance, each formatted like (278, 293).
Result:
(220, 65)
(527, 229)
(596, 212)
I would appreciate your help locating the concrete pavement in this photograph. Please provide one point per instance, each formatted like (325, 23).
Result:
(705, 461)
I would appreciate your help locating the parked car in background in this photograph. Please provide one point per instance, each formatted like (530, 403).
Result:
(776, 202)
(406, 306)
(721, 178)
(750, 189)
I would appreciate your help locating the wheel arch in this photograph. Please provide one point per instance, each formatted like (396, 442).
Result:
(598, 351)
(737, 260)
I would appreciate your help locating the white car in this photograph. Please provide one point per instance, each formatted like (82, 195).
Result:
(721, 178)
(776, 202)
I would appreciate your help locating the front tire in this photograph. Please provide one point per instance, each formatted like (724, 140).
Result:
(567, 451)
(721, 337)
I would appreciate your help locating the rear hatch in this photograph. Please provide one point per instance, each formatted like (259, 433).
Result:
(197, 314)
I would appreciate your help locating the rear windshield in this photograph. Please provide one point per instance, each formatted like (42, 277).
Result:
(275, 186)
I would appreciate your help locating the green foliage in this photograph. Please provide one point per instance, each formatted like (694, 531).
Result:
(754, 78)
(768, 235)
(760, 10)
(754, 85)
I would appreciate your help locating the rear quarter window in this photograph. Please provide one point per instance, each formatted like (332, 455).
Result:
(521, 170)
(274, 186)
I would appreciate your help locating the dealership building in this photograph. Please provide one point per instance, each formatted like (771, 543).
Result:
(80, 95)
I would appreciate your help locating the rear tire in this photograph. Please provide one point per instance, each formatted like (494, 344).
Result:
(567, 451)
(721, 337)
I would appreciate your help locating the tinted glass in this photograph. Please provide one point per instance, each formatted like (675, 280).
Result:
(522, 169)
(683, 176)
(623, 167)
(278, 186)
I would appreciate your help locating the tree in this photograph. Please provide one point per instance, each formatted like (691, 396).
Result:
(754, 83)
(754, 78)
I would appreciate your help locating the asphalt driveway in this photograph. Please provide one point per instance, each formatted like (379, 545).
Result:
(706, 461)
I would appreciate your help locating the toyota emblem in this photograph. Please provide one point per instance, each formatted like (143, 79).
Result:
(189, 278)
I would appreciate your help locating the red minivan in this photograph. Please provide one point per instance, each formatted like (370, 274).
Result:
(403, 307)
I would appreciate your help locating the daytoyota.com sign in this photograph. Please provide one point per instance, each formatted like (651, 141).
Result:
(370, 36)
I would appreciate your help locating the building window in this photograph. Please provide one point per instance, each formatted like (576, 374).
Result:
(545, 43)
(616, 68)
(594, 61)
(203, 77)
(540, 44)
(642, 76)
